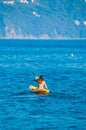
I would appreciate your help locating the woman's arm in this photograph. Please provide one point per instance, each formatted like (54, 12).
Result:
(45, 86)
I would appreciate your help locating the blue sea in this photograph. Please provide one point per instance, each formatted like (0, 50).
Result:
(63, 64)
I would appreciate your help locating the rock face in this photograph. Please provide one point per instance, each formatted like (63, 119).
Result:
(43, 19)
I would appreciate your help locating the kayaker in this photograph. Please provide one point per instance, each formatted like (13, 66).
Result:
(41, 82)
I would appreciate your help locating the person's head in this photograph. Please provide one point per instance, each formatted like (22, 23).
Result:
(41, 77)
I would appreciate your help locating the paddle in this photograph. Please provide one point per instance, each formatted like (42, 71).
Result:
(35, 75)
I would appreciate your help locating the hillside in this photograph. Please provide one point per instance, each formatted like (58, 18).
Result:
(43, 19)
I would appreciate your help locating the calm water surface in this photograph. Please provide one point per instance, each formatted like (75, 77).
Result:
(65, 107)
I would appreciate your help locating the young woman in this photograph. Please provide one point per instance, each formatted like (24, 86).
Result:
(41, 82)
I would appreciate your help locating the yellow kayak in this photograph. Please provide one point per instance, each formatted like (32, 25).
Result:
(38, 91)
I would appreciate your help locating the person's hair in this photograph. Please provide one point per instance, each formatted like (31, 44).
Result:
(41, 77)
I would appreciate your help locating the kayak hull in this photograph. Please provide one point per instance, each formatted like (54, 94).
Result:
(34, 89)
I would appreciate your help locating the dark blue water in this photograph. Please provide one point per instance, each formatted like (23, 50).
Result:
(65, 74)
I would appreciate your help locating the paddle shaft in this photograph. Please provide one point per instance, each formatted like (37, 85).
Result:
(33, 73)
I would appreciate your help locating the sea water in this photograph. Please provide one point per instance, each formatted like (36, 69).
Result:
(63, 64)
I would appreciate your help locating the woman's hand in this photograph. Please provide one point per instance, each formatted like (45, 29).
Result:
(36, 78)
